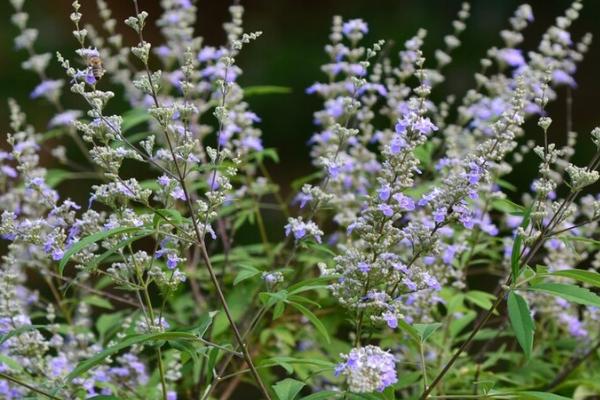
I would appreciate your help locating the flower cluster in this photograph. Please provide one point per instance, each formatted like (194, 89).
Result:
(368, 369)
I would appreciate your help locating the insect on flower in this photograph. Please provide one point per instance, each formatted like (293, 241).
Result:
(94, 63)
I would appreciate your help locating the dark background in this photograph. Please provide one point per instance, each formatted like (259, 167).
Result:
(291, 50)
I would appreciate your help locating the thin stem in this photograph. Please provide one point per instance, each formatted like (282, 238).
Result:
(575, 362)
(200, 238)
(28, 386)
(423, 366)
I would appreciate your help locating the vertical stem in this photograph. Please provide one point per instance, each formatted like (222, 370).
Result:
(423, 366)
(200, 239)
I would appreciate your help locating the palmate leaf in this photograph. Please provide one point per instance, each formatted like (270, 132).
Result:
(128, 341)
(88, 240)
(521, 321)
(571, 293)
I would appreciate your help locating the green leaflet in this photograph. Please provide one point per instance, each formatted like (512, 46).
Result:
(313, 320)
(571, 293)
(521, 321)
(591, 277)
(288, 389)
(266, 89)
(88, 240)
(133, 118)
(86, 365)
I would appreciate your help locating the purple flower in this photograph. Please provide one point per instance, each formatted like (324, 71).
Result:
(335, 107)
(475, 173)
(252, 142)
(303, 198)
(560, 77)
(8, 171)
(391, 320)
(46, 88)
(428, 197)
(424, 126)
(163, 180)
(172, 261)
(363, 267)
(440, 214)
(405, 202)
(386, 210)
(90, 79)
(66, 118)
(401, 126)
(410, 285)
(397, 144)
(384, 192)
(171, 395)
(512, 57)
(431, 282)
(368, 369)
(178, 193)
(354, 26)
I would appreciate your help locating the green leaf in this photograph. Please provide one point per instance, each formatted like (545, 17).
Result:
(133, 118)
(540, 396)
(102, 257)
(18, 331)
(324, 395)
(107, 322)
(55, 176)
(406, 379)
(128, 341)
(572, 293)
(206, 320)
(423, 153)
(102, 397)
(313, 319)
(309, 284)
(481, 299)
(515, 255)
(298, 183)
(247, 272)
(266, 153)
(506, 185)
(521, 321)
(412, 332)
(288, 389)
(278, 310)
(88, 240)
(266, 89)
(507, 206)
(173, 217)
(97, 301)
(591, 277)
(11, 363)
(287, 362)
(426, 330)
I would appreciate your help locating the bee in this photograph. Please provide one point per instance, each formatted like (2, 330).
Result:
(95, 65)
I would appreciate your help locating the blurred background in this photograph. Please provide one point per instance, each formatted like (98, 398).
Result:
(291, 50)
